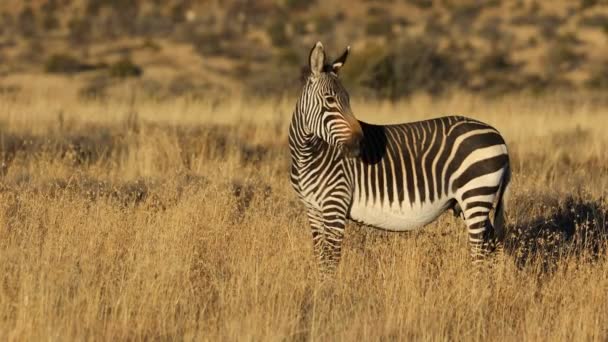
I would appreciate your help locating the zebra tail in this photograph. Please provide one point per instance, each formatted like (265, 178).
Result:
(499, 213)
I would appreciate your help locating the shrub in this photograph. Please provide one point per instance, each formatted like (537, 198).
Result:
(379, 27)
(324, 24)
(464, 15)
(6, 23)
(289, 57)
(178, 12)
(548, 25)
(433, 28)
(490, 30)
(423, 4)
(560, 57)
(588, 3)
(65, 64)
(300, 26)
(124, 68)
(49, 12)
(276, 32)
(205, 43)
(80, 30)
(598, 78)
(524, 20)
(298, 4)
(497, 61)
(378, 12)
(569, 38)
(414, 65)
(598, 21)
(154, 23)
(27, 22)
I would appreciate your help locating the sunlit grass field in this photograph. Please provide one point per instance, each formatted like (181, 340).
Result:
(135, 219)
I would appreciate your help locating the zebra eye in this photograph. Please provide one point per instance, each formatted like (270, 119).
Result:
(330, 99)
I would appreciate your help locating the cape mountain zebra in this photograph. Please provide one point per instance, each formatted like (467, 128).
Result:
(396, 177)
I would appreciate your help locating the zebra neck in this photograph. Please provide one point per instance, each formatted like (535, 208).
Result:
(304, 147)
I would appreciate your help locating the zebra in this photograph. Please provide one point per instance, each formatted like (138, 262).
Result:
(393, 177)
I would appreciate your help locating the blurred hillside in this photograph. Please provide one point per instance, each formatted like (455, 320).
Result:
(221, 48)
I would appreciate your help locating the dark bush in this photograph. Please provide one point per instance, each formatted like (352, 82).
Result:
(434, 28)
(599, 78)
(414, 65)
(205, 43)
(379, 27)
(178, 12)
(65, 64)
(424, 4)
(151, 45)
(491, 31)
(464, 15)
(497, 61)
(375, 11)
(124, 14)
(27, 22)
(50, 21)
(548, 25)
(300, 26)
(276, 32)
(524, 20)
(588, 3)
(49, 13)
(125, 68)
(298, 4)
(154, 23)
(80, 30)
(6, 23)
(290, 57)
(561, 57)
(569, 38)
(595, 21)
(576, 227)
(324, 24)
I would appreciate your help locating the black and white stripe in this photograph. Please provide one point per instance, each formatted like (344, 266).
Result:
(396, 177)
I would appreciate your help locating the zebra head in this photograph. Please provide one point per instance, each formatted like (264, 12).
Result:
(325, 104)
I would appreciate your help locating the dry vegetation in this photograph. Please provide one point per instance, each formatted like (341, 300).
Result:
(136, 219)
(144, 188)
(236, 46)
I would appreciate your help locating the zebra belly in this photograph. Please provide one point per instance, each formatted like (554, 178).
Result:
(397, 218)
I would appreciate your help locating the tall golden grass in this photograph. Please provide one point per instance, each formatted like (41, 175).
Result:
(137, 219)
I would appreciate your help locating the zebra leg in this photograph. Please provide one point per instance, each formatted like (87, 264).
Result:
(481, 232)
(481, 239)
(315, 218)
(334, 220)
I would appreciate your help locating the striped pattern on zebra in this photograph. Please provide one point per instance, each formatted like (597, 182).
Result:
(395, 177)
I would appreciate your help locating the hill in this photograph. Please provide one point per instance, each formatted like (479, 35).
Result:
(206, 48)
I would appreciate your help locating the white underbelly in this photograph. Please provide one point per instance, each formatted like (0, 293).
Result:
(395, 217)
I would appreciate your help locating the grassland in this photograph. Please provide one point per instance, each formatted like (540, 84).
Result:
(131, 218)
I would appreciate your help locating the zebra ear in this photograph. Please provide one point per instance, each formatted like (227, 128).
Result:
(317, 59)
(338, 63)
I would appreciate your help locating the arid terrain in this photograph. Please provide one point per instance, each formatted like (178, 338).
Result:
(230, 48)
(144, 189)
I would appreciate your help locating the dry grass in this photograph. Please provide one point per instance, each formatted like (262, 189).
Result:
(134, 219)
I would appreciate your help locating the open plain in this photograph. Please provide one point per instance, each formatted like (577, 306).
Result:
(132, 218)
